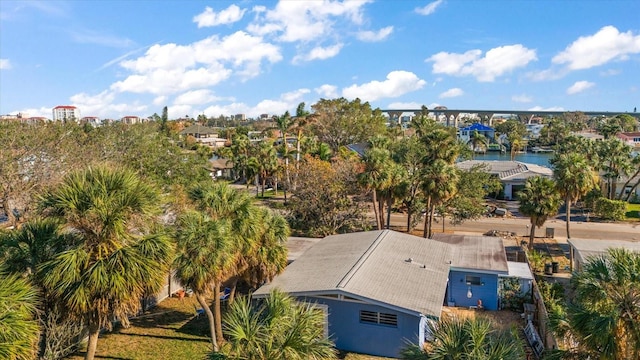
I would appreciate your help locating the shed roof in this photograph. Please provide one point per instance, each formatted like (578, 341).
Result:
(402, 271)
(585, 248)
(519, 270)
(484, 253)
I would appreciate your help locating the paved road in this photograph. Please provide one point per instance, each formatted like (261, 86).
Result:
(579, 230)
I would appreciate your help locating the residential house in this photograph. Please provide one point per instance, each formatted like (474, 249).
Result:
(581, 250)
(380, 289)
(512, 174)
(630, 138)
(131, 120)
(466, 132)
(66, 113)
(221, 168)
(204, 135)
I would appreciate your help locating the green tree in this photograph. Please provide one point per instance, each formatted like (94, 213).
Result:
(340, 122)
(279, 328)
(616, 161)
(574, 179)
(19, 331)
(439, 184)
(284, 124)
(204, 252)
(164, 129)
(604, 314)
(374, 177)
(468, 339)
(120, 257)
(409, 153)
(539, 200)
(478, 142)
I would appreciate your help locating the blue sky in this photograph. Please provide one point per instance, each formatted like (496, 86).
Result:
(116, 58)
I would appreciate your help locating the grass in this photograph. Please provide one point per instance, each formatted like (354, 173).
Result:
(633, 211)
(169, 331)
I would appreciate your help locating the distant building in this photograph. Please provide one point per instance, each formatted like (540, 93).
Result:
(630, 138)
(240, 117)
(66, 113)
(465, 133)
(92, 120)
(131, 120)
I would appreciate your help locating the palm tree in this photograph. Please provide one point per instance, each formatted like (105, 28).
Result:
(478, 141)
(374, 177)
(119, 259)
(204, 252)
(19, 330)
(467, 339)
(574, 178)
(538, 200)
(223, 203)
(516, 143)
(605, 314)
(439, 184)
(284, 123)
(268, 255)
(280, 328)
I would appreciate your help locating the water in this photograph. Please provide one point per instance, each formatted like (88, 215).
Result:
(530, 158)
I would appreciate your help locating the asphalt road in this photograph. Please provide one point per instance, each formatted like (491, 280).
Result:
(519, 225)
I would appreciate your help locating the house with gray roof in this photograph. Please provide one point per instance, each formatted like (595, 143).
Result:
(512, 174)
(379, 289)
(581, 250)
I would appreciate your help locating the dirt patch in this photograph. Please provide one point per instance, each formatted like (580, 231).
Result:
(502, 319)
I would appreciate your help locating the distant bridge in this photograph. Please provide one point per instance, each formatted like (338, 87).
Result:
(486, 115)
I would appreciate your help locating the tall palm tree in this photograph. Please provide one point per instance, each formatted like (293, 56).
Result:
(223, 203)
(204, 252)
(268, 254)
(439, 184)
(539, 200)
(285, 123)
(574, 178)
(605, 314)
(280, 328)
(374, 177)
(467, 339)
(615, 161)
(19, 331)
(120, 257)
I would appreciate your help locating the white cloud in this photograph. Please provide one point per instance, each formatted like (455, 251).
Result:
(160, 100)
(227, 16)
(287, 101)
(404, 105)
(397, 84)
(373, 36)
(5, 64)
(429, 8)
(171, 68)
(319, 53)
(454, 92)
(294, 21)
(46, 112)
(496, 62)
(540, 108)
(195, 97)
(103, 105)
(327, 91)
(579, 86)
(523, 98)
(597, 49)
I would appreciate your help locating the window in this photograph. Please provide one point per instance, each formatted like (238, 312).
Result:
(373, 317)
(473, 280)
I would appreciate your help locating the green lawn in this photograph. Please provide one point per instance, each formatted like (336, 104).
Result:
(633, 211)
(169, 331)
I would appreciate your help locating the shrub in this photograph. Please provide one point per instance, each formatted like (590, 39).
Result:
(610, 209)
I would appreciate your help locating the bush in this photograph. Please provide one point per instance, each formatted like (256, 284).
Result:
(610, 209)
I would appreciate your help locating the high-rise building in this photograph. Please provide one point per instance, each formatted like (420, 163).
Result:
(66, 113)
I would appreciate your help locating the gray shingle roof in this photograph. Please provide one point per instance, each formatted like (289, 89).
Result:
(484, 253)
(508, 170)
(372, 266)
